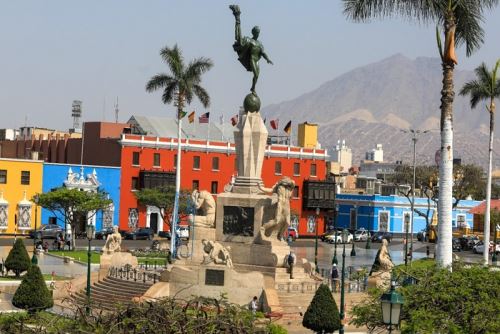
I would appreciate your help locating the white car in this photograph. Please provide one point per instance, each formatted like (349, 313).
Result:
(331, 238)
(182, 232)
(479, 248)
(361, 235)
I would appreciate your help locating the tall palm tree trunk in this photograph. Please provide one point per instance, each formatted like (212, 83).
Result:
(444, 246)
(488, 186)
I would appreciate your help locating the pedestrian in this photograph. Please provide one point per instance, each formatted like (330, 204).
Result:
(291, 262)
(254, 305)
(335, 277)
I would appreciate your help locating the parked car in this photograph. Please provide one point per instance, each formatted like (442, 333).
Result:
(182, 232)
(325, 235)
(165, 234)
(338, 236)
(47, 231)
(292, 232)
(456, 246)
(379, 236)
(103, 234)
(361, 235)
(468, 242)
(140, 233)
(479, 248)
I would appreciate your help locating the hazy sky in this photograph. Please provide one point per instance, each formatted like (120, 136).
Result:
(56, 51)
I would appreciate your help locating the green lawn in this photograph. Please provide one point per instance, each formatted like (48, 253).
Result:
(81, 255)
(47, 277)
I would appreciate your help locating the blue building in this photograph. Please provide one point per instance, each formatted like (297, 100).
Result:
(85, 178)
(389, 213)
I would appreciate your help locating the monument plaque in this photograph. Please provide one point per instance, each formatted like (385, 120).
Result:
(238, 221)
(214, 277)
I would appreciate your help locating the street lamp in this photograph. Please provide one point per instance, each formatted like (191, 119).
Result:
(335, 217)
(34, 259)
(316, 241)
(391, 303)
(414, 138)
(90, 234)
(342, 292)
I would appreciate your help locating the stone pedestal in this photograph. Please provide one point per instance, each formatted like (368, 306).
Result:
(199, 234)
(117, 260)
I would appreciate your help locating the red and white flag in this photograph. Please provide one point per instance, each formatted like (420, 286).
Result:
(275, 124)
(234, 120)
(204, 118)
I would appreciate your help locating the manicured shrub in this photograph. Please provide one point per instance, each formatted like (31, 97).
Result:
(322, 315)
(33, 294)
(18, 259)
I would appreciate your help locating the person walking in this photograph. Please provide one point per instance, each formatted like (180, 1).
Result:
(335, 278)
(291, 262)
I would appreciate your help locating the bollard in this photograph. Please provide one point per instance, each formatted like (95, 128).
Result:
(135, 275)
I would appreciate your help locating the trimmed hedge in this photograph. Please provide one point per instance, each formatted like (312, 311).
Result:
(322, 315)
(33, 294)
(18, 259)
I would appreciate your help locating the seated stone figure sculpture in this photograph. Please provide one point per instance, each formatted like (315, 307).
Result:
(203, 200)
(113, 242)
(282, 192)
(216, 253)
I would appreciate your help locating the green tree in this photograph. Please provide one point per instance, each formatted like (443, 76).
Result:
(181, 84)
(322, 315)
(18, 259)
(163, 199)
(69, 204)
(485, 87)
(33, 294)
(461, 21)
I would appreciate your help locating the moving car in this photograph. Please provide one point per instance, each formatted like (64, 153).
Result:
(47, 231)
(338, 236)
(103, 234)
(380, 235)
(479, 248)
(182, 232)
(140, 233)
(361, 235)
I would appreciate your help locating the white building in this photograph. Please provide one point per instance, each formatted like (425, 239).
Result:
(375, 155)
(343, 156)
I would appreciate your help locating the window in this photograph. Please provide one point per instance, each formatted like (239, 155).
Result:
(277, 167)
(214, 187)
(135, 183)
(313, 169)
(135, 158)
(295, 192)
(215, 163)
(25, 177)
(196, 185)
(296, 168)
(3, 176)
(196, 162)
(156, 160)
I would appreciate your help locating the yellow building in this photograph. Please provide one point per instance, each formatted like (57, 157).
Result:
(308, 135)
(19, 181)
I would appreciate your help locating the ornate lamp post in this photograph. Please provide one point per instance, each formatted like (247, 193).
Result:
(316, 240)
(334, 260)
(342, 291)
(90, 234)
(391, 303)
(34, 259)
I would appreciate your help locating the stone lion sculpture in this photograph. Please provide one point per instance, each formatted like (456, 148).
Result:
(205, 201)
(113, 242)
(281, 192)
(216, 253)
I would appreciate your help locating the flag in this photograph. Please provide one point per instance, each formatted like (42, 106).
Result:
(191, 117)
(182, 114)
(234, 120)
(275, 124)
(288, 127)
(265, 119)
(204, 118)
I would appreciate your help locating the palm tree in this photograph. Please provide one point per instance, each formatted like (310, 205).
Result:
(460, 20)
(485, 87)
(180, 86)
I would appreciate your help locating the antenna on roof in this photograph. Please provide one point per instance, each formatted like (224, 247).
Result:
(116, 110)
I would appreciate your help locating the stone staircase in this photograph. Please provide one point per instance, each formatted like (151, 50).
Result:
(110, 291)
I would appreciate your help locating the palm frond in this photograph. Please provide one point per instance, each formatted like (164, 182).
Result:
(169, 92)
(173, 57)
(202, 95)
(418, 10)
(159, 81)
(197, 67)
(483, 87)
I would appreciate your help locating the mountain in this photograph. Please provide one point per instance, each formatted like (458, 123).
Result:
(371, 105)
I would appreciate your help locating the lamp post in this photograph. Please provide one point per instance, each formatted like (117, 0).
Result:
(391, 303)
(34, 259)
(342, 292)
(316, 240)
(90, 234)
(334, 260)
(414, 138)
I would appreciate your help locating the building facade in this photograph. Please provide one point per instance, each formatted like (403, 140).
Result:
(209, 165)
(85, 178)
(20, 180)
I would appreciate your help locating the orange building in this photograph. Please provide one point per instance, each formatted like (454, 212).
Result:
(209, 165)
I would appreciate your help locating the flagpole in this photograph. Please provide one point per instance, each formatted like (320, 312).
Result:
(208, 129)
